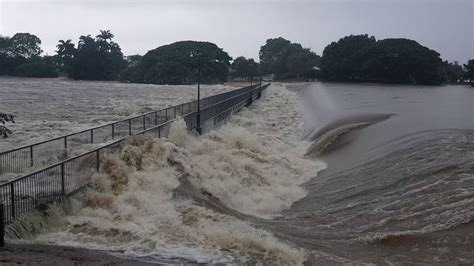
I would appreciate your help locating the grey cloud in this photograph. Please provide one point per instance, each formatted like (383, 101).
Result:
(241, 27)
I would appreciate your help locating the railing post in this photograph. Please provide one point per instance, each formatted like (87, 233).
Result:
(31, 156)
(63, 190)
(65, 146)
(144, 122)
(249, 100)
(92, 136)
(159, 132)
(113, 131)
(97, 160)
(12, 199)
(2, 225)
(130, 127)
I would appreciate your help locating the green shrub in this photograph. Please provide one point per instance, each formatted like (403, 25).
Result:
(36, 70)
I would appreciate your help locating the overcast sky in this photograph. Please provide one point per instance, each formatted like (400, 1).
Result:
(241, 27)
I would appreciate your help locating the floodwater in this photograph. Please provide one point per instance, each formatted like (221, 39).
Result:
(399, 186)
(46, 108)
(323, 173)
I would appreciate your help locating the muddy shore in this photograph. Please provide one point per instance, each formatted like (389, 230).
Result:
(58, 255)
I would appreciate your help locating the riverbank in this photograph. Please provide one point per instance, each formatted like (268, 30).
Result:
(14, 254)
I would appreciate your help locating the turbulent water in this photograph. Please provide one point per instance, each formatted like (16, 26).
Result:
(316, 173)
(48, 108)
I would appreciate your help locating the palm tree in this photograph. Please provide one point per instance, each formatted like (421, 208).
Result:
(105, 35)
(104, 39)
(65, 48)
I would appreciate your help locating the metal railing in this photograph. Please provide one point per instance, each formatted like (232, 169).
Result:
(27, 193)
(40, 154)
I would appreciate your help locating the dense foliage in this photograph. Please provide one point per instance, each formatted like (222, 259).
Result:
(287, 60)
(178, 63)
(36, 70)
(453, 73)
(359, 58)
(362, 58)
(20, 56)
(5, 118)
(97, 58)
(243, 68)
(470, 71)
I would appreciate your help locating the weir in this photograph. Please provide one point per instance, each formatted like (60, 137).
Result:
(37, 155)
(61, 179)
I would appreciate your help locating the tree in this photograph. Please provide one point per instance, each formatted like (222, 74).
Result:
(93, 59)
(286, 59)
(302, 63)
(5, 118)
(65, 52)
(21, 56)
(26, 45)
(177, 63)
(470, 71)
(36, 70)
(453, 72)
(273, 56)
(244, 68)
(362, 58)
(104, 40)
(341, 61)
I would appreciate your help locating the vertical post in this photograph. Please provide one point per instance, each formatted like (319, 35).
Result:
(92, 136)
(113, 130)
(65, 146)
(2, 225)
(12, 198)
(63, 190)
(97, 160)
(198, 113)
(31, 156)
(130, 127)
(144, 122)
(159, 132)
(249, 100)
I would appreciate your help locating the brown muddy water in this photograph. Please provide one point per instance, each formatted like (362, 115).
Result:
(399, 186)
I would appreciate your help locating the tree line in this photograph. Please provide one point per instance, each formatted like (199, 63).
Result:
(354, 58)
(361, 58)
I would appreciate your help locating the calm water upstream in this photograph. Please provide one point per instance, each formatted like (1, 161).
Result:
(399, 187)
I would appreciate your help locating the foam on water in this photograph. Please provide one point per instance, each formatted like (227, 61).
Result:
(47, 108)
(254, 165)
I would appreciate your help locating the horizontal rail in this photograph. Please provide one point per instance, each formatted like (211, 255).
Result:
(24, 194)
(20, 159)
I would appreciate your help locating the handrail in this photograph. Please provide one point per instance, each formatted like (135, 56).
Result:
(22, 158)
(24, 194)
(104, 125)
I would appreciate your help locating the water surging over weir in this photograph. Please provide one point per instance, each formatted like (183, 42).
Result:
(399, 187)
(198, 199)
(395, 190)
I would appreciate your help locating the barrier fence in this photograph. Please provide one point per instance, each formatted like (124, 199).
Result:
(40, 154)
(25, 194)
